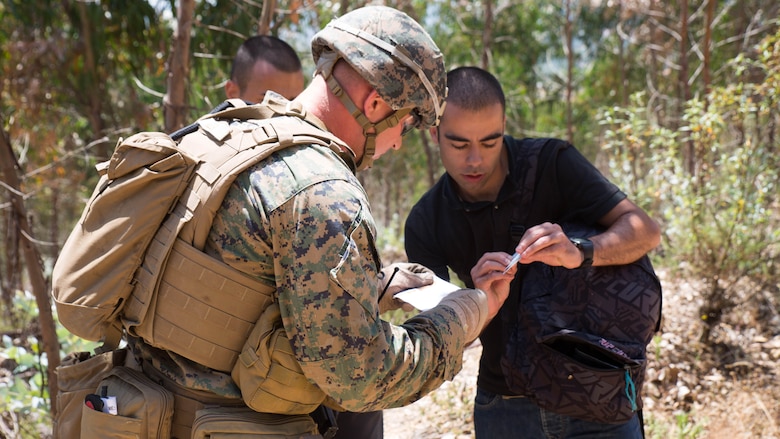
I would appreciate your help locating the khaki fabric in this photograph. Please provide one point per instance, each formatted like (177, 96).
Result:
(269, 375)
(93, 275)
(187, 402)
(176, 280)
(230, 423)
(144, 408)
(78, 375)
(136, 256)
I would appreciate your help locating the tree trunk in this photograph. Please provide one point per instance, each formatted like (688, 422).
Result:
(652, 72)
(487, 34)
(32, 258)
(684, 90)
(54, 222)
(568, 31)
(94, 97)
(707, 47)
(175, 100)
(622, 64)
(9, 279)
(264, 26)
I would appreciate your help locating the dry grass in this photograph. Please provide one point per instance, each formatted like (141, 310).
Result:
(729, 390)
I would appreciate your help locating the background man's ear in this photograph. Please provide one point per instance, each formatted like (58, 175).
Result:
(232, 90)
(434, 131)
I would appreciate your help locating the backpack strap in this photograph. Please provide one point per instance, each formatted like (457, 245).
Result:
(111, 339)
(176, 274)
(529, 157)
(191, 128)
(236, 151)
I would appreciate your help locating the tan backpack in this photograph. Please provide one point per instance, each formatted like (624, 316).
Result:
(134, 261)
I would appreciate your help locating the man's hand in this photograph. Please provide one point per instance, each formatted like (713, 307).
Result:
(398, 277)
(629, 233)
(488, 275)
(547, 243)
(476, 307)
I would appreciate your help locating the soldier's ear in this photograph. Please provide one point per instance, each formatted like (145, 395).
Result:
(375, 108)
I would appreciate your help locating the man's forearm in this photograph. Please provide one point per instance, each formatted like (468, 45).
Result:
(631, 236)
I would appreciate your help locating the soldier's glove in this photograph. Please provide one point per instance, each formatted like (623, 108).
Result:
(398, 277)
(471, 306)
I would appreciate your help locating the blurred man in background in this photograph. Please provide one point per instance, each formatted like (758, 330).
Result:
(262, 63)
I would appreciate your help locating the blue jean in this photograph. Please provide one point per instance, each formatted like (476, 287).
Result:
(499, 417)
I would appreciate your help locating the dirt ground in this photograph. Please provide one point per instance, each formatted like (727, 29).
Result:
(442, 414)
(727, 391)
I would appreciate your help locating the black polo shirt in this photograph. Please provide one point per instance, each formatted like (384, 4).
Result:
(444, 232)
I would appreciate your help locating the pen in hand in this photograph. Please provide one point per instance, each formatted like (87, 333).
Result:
(515, 259)
(395, 270)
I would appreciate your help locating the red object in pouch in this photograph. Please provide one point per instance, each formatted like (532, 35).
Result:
(94, 402)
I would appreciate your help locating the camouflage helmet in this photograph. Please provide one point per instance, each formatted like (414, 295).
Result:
(393, 53)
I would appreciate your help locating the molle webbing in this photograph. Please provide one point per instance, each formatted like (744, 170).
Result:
(211, 184)
(203, 310)
(184, 300)
(187, 402)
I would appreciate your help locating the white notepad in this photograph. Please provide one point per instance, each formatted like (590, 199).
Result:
(425, 298)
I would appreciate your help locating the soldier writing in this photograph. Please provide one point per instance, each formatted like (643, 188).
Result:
(300, 221)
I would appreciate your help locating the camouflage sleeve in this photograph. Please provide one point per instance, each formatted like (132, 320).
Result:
(325, 264)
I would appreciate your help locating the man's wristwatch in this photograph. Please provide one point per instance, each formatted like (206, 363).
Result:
(586, 247)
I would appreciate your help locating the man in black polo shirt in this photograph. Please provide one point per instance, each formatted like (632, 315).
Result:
(472, 210)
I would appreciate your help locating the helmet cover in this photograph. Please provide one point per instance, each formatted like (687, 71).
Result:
(393, 53)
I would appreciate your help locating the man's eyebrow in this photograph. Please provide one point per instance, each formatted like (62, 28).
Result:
(457, 138)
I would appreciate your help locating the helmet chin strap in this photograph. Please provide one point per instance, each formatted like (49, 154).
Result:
(370, 130)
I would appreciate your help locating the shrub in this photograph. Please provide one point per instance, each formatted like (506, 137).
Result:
(712, 184)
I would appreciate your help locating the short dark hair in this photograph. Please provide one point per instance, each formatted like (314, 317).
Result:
(262, 47)
(473, 88)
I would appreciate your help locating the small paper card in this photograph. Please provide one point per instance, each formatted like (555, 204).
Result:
(425, 298)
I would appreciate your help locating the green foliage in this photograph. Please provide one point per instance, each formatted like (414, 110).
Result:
(713, 184)
(68, 92)
(707, 170)
(25, 392)
(686, 429)
(26, 395)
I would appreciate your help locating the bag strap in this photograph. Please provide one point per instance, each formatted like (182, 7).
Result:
(529, 157)
(111, 338)
(224, 150)
(519, 223)
(236, 151)
(191, 128)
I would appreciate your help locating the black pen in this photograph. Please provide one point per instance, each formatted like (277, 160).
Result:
(395, 270)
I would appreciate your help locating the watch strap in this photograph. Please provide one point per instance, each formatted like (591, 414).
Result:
(586, 247)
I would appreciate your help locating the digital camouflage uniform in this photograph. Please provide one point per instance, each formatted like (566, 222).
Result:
(300, 220)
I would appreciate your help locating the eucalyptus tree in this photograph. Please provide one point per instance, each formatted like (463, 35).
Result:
(68, 85)
(67, 70)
